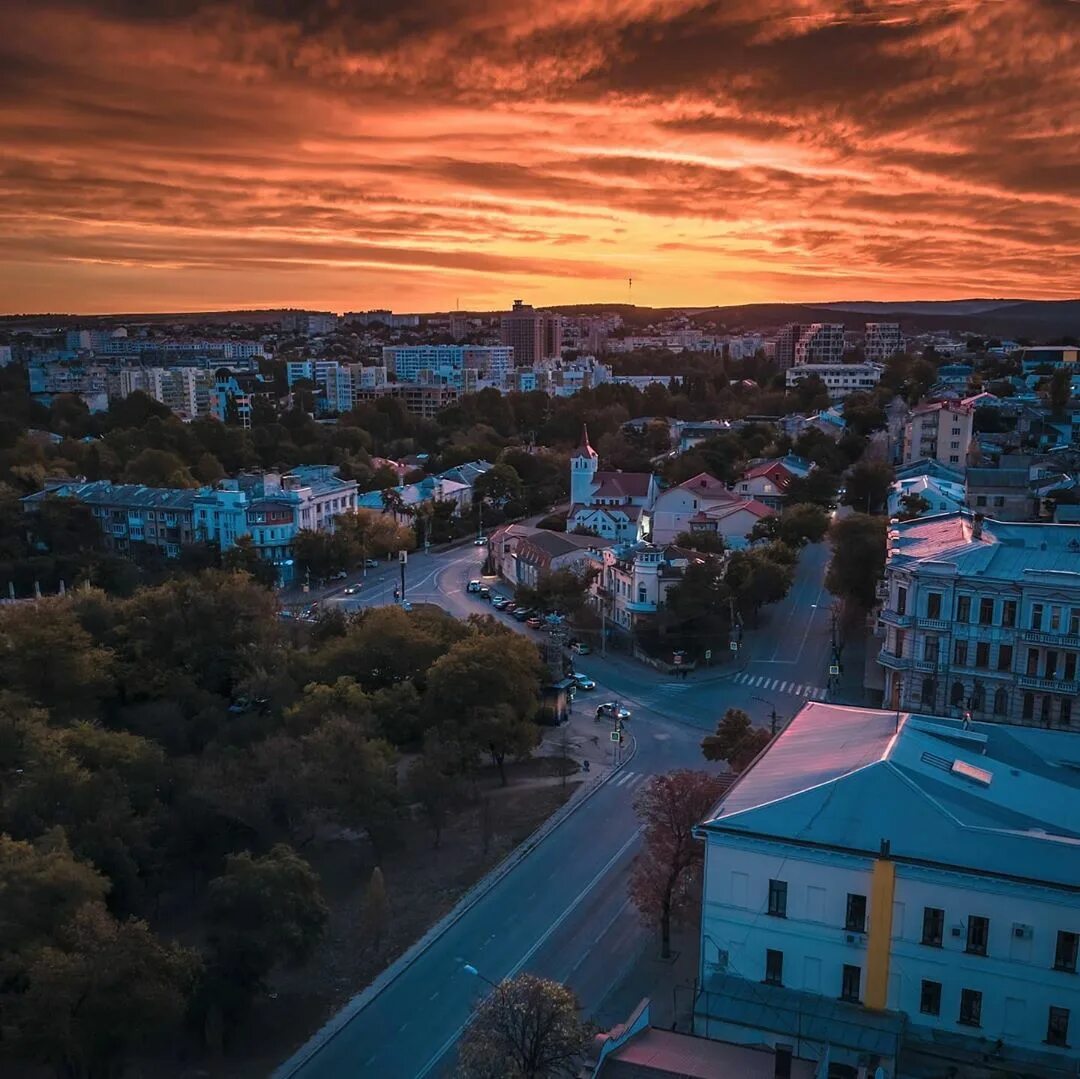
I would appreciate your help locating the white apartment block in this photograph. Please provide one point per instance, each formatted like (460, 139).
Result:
(447, 362)
(891, 890)
(983, 617)
(820, 342)
(840, 378)
(882, 341)
(939, 431)
(340, 382)
(178, 388)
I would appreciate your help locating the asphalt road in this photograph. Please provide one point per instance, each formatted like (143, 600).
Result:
(563, 910)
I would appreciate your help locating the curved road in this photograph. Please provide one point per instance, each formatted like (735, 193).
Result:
(563, 910)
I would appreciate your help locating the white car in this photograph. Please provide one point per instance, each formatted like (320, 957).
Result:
(613, 710)
(581, 648)
(480, 541)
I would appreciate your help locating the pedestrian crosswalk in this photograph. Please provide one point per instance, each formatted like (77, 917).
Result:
(780, 685)
(628, 779)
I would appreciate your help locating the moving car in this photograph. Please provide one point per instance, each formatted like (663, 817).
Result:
(473, 586)
(583, 681)
(352, 590)
(613, 710)
(580, 647)
(480, 541)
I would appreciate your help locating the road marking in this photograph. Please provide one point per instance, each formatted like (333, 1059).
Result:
(622, 779)
(599, 937)
(434, 995)
(441, 1052)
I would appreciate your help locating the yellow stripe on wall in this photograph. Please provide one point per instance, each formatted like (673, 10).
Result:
(882, 889)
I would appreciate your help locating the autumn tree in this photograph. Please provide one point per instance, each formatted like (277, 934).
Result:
(868, 486)
(666, 871)
(375, 910)
(736, 741)
(242, 557)
(525, 1028)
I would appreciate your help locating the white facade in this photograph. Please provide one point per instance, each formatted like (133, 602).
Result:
(633, 580)
(448, 362)
(840, 378)
(921, 873)
(340, 382)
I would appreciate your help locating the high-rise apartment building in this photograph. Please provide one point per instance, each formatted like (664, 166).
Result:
(820, 342)
(533, 335)
(409, 363)
(786, 340)
(882, 340)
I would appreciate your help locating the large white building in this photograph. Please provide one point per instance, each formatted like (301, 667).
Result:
(983, 616)
(885, 889)
(409, 363)
(704, 504)
(340, 383)
(840, 378)
(613, 505)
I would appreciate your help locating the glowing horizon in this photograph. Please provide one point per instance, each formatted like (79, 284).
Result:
(424, 154)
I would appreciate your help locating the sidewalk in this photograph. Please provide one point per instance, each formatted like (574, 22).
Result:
(582, 739)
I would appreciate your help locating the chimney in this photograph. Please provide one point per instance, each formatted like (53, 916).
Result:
(977, 526)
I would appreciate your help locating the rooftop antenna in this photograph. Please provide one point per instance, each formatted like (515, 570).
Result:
(629, 289)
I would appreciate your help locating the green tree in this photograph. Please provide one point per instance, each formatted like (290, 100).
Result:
(913, 505)
(261, 912)
(158, 468)
(368, 533)
(435, 789)
(702, 541)
(565, 590)
(499, 486)
(759, 576)
(525, 1028)
(801, 524)
(817, 487)
(868, 486)
(1059, 391)
(242, 557)
(736, 740)
(858, 558)
(104, 990)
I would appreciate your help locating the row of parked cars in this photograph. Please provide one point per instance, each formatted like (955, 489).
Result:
(518, 611)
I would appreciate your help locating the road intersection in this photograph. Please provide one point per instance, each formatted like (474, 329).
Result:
(563, 911)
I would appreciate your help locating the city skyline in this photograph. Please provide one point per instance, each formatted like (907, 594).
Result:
(197, 156)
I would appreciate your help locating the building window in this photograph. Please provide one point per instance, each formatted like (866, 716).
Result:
(901, 600)
(778, 898)
(930, 998)
(1074, 621)
(774, 967)
(1057, 1028)
(856, 913)
(1032, 662)
(956, 697)
(1066, 950)
(1044, 709)
(980, 500)
(930, 649)
(1004, 657)
(970, 1008)
(982, 654)
(929, 689)
(978, 933)
(849, 983)
(1055, 619)
(1065, 712)
(977, 697)
(1050, 670)
(933, 605)
(1008, 613)
(1036, 616)
(963, 608)
(933, 926)
(1070, 667)
(960, 654)
(986, 612)
(1029, 706)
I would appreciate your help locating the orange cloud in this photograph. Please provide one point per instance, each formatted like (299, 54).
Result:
(416, 153)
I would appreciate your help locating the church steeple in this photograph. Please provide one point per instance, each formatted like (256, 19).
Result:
(583, 465)
(585, 450)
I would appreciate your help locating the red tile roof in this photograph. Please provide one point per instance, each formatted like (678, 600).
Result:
(707, 485)
(616, 484)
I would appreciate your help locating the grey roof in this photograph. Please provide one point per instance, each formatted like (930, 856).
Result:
(997, 477)
(104, 493)
(993, 799)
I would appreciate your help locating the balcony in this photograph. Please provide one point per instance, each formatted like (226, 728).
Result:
(927, 666)
(893, 661)
(637, 607)
(939, 624)
(894, 619)
(1048, 685)
(1055, 640)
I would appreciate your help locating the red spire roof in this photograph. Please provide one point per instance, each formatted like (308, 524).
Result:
(585, 450)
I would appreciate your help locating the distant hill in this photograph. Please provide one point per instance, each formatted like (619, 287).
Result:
(1012, 318)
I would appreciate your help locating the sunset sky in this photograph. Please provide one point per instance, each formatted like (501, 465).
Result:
(415, 154)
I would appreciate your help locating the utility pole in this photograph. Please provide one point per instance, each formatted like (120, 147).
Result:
(403, 558)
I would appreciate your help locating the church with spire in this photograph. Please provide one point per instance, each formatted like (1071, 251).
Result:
(614, 505)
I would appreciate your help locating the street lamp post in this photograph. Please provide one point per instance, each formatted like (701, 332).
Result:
(773, 718)
(470, 969)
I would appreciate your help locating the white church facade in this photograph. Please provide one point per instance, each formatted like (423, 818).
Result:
(614, 505)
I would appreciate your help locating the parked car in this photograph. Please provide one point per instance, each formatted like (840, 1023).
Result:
(583, 681)
(509, 606)
(613, 710)
(371, 563)
(533, 622)
(499, 602)
(521, 613)
(580, 647)
(473, 586)
(485, 592)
